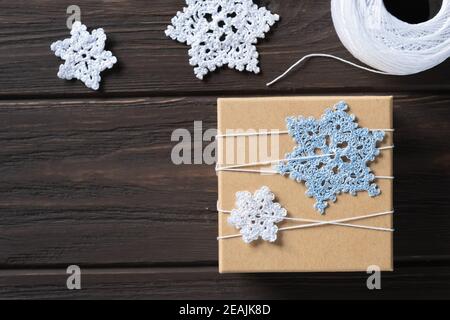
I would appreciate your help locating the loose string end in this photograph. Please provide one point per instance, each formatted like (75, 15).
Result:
(324, 55)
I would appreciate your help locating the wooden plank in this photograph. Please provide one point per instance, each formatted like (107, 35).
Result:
(152, 64)
(92, 182)
(205, 283)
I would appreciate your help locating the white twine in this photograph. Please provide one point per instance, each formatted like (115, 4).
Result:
(383, 42)
(272, 133)
(318, 223)
(240, 167)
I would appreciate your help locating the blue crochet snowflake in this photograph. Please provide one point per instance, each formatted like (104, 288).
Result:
(339, 152)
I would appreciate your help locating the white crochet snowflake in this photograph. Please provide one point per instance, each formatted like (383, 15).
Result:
(84, 54)
(256, 215)
(221, 33)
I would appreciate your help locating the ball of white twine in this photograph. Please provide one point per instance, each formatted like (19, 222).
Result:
(380, 40)
(388, 45)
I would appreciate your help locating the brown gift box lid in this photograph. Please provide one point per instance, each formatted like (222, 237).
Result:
(324, 248)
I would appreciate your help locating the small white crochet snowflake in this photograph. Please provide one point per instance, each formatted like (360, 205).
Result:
(221, 33)
(256, 215)
(84, 54)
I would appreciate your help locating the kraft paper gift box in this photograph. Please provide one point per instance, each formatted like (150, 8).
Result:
(318, 249)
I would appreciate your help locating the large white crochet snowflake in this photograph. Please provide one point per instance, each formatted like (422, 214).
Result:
(84, 54)
(256, 215)
(221, 33)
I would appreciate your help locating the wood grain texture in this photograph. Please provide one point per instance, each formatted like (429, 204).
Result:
(152, 64)
(204, 283)
(91, 182)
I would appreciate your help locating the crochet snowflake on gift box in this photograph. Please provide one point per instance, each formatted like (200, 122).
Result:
(256, 215)
(339, 151)
(84, 54)
(221, 33)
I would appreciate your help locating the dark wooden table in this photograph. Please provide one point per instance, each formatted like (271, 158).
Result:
(86, 177)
